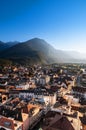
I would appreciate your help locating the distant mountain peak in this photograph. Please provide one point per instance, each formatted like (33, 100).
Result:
(37, 40)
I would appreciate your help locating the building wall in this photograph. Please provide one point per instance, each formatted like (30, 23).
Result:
(26, 86)
(47, 98)
(26, 124)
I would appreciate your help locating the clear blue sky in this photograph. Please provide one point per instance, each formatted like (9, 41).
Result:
(62, 23)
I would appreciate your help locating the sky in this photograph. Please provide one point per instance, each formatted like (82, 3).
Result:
(62, 23)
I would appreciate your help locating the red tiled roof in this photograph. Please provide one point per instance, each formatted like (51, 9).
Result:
(63, 124)
(59, 122)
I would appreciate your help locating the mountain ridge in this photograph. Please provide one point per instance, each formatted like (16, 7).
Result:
(37, 50)
(6, 45)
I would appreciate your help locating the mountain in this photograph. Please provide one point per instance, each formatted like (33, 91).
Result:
(4, 46)
(37, 51)
(12, 43)
(32, 51)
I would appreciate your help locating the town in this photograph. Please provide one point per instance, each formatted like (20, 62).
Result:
(43, 97)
